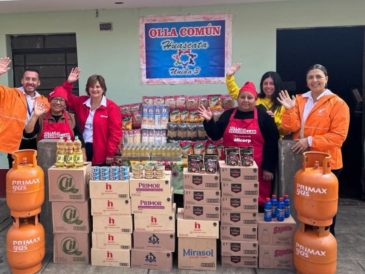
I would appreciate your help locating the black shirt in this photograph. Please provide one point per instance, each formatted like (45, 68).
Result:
(269, 131)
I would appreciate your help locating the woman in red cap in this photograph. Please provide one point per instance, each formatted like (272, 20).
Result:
(57, 122)
(260, 133)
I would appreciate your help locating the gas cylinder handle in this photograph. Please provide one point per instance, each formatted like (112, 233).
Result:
(311, 157)
(29, 154)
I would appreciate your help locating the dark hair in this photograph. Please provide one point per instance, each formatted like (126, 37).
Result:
(93, 79)
(278, 83)
(31, 70)
(318, 66)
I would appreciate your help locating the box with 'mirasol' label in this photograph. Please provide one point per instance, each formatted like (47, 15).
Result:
(197, 254)
(69, 184)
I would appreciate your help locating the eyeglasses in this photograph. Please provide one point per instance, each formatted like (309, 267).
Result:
(58, 100)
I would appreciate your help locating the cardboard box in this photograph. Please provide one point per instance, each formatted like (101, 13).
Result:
(110, 207)
(150, 187)
(68, 184)
(280, 257)
(237, 261)
(113, 223)
(159, 205)
(188, 228)
(239, 233)
(156, 241)
(197, 254)
(202, 212)
(240, 174)
(238, 218)
(201, 180)
(71, 248)
(69, 217)
(239, 204)
(240, 189)
(149, 259)
(203, 196)
(110, 257)
(112, 240)
(155, 222)
(276, 233)
(239, 248)
(109, 189)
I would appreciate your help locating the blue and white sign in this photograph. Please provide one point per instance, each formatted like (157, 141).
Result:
(185, 49)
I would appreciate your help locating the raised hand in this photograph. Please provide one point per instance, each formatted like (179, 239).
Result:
(233, 69)
(39, 108)
(285, 99)
(4, 65)
(206, 113)
(74, 75)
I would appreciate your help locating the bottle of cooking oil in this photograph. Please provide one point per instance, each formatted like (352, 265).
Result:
(69, 158)
(78, 156)
(60, 154)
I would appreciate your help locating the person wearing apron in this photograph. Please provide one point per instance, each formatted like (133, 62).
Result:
(248, 125)
(57, 122)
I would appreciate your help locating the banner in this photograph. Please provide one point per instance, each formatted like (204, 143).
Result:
(185, 49)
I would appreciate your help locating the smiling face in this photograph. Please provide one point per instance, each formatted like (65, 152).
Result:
(30, 81)
(317, 81)
(96, 91)
(246, 101)
(58, 105)
(268, 87)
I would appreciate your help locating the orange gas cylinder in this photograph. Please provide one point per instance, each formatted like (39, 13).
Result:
(25, 185)
(25, 245)
(315, 250)
(316, 190)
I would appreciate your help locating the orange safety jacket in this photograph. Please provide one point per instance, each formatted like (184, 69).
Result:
(327, 123)
(13, 114)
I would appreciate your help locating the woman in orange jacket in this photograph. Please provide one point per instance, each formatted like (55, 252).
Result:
(318, 119)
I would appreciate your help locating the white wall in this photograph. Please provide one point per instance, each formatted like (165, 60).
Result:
(115, 54)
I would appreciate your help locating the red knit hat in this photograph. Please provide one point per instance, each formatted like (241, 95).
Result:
(249, 87)
(58, 91)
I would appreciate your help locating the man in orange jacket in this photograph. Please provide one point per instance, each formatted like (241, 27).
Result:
(13, 113)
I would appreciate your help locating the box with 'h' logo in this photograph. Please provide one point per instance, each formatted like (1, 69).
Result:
(109, 189)
(110, 206)
(68, 184)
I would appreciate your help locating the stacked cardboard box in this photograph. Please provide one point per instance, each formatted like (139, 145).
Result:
(198, 222)
(276, 243)
(154, 219)
(68, 193)
(240, 190)
(112, 223)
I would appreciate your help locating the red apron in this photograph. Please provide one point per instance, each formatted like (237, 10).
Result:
(247, 133)
(56, 130)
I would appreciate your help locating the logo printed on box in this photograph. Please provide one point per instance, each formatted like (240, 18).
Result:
(197, 180)
(109, 255)
(198, 195)
(235, 247)
(282, 229)
(70, 246)
(235, 259)
(235, 217)
(236, 188)
(65, 184)
(283, 252)
(150, 204)
(70, 215)
(111, 221)
(235, 202)
(235, 172)
(108, 187)
(234, 231)
(153, 240)
(110, 238)
(198, 210)
(197, 226)
(150, 258)
(197, 253)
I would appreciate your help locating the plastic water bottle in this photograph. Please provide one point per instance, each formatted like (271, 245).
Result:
(280, 213)
(274, 203)
(268, 210)
(286, 206)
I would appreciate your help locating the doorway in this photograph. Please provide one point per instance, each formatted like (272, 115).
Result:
(341, 51)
